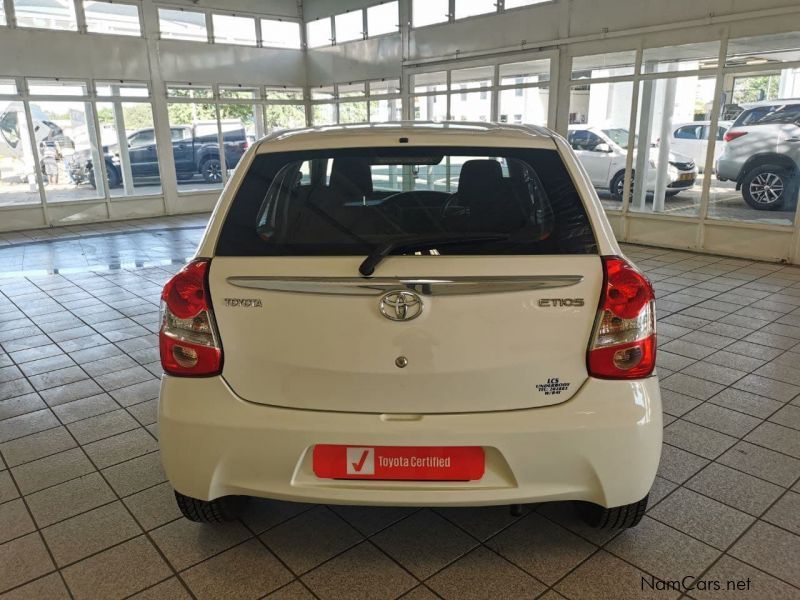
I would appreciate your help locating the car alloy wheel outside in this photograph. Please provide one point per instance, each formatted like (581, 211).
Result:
(767, 188)
(212, 171)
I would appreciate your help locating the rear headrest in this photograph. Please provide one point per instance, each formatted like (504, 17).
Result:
(479, 175)
(351, 177)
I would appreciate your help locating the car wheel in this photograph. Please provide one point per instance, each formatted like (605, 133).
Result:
(219, 510)
(211, 170)
(619, 517)
(618, 184)
(768, 187)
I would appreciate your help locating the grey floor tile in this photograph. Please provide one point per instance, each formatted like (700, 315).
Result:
(123, 378)
(297, 591)
(23, 559)
(776, 437)
(185, 543)
(13, 388)
(121, 447)
(677, 404)
(701, 517)
(49, 587)
(732, 360)
(688, 349)
(118, 571)
(541, 548)
(482, 574)
(61, 377)
(69, 498)
(788, 416)
(755, 584)
(136, 474)
(71, 391)
(331, 535)
(606, 576)
(772, 550)
(248, 570)
(14, 520)
(722, 419)
(102, 426)
(697, 439)
(8, 491)
(777, 390)
(678, 465)
(661, 550)
(752, 350)
(691, 386)
(368, 520)
(734, 488)
(361, 572)
(745, 402)
(21, 405)
(762, 462)
(170, 589)
(262, 514)
(45, 472)
(715, 373)
(85, 408)
(43, 365)
(424, 543)
(154, 506)
(145, 412)
(36, 445)
(136, 393)
(482, 522)
(786, 512)
(90, 532)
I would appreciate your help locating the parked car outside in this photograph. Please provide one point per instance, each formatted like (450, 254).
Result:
(603, 153)
(761, 153)
(195, 149)
(337, 340)
(691, 139)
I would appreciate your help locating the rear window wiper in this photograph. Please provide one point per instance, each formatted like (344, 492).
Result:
(374, 258)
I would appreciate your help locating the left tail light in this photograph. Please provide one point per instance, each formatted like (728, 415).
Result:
(623, 342)
(188, 339)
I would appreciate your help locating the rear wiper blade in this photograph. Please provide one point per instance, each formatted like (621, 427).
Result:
(374, 258)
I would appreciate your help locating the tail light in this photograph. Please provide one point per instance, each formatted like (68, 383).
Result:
(188, 339)
(732, 135)
(623, 343)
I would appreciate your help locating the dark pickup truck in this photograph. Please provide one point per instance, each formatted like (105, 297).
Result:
(194, 147)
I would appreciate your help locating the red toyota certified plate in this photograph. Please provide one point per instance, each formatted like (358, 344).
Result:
(409, 463)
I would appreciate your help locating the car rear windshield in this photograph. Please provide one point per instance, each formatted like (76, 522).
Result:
(409, 200)
(783, 114)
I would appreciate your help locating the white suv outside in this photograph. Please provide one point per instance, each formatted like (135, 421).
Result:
(349, 333)
(603, 153)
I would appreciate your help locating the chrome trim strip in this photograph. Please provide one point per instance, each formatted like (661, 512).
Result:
(427, 286)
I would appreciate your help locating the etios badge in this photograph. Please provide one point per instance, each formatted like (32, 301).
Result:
(400, 305)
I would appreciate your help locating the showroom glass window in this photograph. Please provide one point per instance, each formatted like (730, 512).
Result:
(45, 14)
(473, 102)
(385, 103)
(323, 109)
(349, 26)
(280, 34)
(2, 14)
(517, 3)
(127, 134)
(232, 29)
(112, 18)
(284, 108)
(318, 33)
(429, 12)
(383, 18)
(524, 92)
(182, 25)
(470, 8)
(600, 109)
(18, 161)
(67, 140)
(352, 111)
(430, 97)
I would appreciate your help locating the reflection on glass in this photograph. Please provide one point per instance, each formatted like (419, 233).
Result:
(241, 126)
(318, 33)
(524, 105)
(666, 179)
(179, 24)
(599, 116)
(230, 29)
(351, 90)
(610, 64)
(532, 71)
(430, 108)
(130, 151)
(471, 106)
(45, 14)
(17, 160)
(383, 18)
(112, 18)
(385, 110)
(324, 114)
(284, 93)
(759, 50)
(429, 82)
(195, 146)
(349, 26)
(284, 116)
(71, 143)
(384, 86)
(686, 57)
(353, 112)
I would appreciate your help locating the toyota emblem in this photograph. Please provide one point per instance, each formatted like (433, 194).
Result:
(400, 305)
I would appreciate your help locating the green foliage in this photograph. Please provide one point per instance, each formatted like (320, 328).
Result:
(753, 89)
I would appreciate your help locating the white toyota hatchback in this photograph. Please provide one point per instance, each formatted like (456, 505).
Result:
(410, 314)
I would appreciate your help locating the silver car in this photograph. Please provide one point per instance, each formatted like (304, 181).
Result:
(761, 154)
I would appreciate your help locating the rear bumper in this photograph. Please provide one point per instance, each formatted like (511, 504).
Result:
(601, 446)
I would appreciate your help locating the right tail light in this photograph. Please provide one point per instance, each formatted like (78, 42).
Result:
(623, 344)
(732, 135)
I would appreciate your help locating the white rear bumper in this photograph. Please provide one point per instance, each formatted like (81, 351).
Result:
(601, 446)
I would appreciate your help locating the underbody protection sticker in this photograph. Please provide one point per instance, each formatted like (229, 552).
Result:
(553, 387)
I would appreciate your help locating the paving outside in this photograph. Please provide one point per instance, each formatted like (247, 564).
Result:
(85, 511)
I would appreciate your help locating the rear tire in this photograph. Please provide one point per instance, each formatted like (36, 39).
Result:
(618, 184)
(619, 517)
(211, 170)
(769, 187)
(219, 510)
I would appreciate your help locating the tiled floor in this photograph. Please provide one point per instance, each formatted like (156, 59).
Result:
(85, 511)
